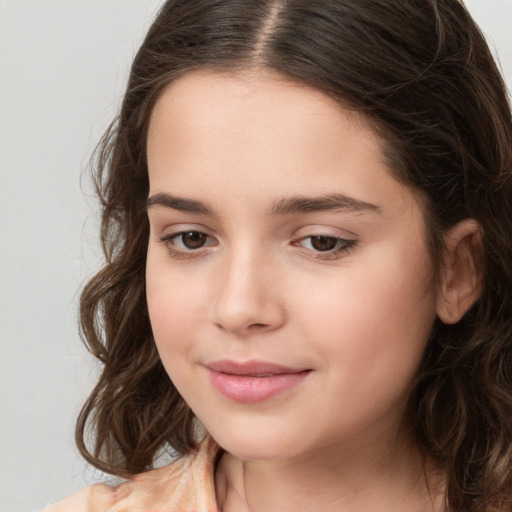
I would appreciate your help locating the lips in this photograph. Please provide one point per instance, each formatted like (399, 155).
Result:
(253, 381)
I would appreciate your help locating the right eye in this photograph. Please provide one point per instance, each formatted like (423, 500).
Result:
(190, 240)
(186, 243)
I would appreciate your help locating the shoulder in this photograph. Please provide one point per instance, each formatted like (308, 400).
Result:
(97, 498)
(186, 485)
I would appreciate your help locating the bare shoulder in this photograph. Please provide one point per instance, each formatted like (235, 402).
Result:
(97, 498)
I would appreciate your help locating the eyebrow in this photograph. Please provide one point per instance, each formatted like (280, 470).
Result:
(284, 206)
(329, 202)
(179, 203)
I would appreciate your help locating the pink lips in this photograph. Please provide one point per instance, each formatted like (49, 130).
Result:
(253, 381)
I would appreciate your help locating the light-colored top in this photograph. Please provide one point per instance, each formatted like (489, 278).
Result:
(186, 485)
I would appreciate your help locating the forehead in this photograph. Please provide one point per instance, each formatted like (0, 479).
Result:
(207, 94)
(268, 134)
(259, 86)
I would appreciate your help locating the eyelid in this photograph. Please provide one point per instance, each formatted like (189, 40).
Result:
(176, 236)
(346, 241)
(168, 237)
(170, 229)
(343, 246)
(327, 229)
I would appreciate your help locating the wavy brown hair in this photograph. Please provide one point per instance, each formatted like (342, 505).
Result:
(422, 74)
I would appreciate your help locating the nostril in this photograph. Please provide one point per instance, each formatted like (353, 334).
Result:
(256, 326)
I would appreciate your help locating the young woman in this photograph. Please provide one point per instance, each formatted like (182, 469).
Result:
(308, 288)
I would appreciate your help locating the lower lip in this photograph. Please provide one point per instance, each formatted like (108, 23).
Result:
(248, 390)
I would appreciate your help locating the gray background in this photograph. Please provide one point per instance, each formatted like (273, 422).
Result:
(63, 66)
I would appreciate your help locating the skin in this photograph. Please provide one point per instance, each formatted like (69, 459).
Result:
(358, 318)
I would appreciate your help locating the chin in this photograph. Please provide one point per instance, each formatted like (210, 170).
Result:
(256, 444)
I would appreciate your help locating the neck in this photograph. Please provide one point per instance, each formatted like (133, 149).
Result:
(332, 479)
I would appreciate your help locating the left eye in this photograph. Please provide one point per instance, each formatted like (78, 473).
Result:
(324, 243)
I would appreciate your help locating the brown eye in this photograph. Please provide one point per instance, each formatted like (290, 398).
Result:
(188, 244)
(325, 246)
(324, 243)
(193, 239)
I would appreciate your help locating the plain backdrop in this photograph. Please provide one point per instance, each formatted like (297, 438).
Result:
(63, 67)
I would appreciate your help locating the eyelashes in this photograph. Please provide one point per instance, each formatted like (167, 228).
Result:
(190, 240)
(194, 244)
(325, 244)
(187, 244)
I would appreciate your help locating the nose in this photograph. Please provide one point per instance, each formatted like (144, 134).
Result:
(248, 298)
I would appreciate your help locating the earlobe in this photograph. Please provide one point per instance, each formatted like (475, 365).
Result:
(460, 284)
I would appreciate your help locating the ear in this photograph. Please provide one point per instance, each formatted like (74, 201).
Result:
(460, 277)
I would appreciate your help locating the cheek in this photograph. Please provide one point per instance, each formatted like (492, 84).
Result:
(370, 331)
(173, 305)
(381, 311)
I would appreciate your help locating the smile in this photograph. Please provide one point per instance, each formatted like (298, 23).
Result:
(254, 381)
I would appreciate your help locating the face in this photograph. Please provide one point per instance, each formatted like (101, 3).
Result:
(289, 286)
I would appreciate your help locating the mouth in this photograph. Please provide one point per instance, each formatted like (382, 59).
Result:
(253, 381)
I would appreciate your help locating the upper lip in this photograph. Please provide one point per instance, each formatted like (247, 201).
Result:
(251, 368)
